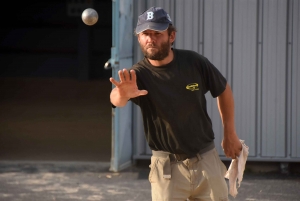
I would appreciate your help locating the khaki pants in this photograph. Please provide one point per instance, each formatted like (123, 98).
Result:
(198, 179)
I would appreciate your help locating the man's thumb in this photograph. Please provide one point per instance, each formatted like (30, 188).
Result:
(143, 92)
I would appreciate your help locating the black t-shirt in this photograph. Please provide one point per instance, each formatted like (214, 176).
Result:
(174, 110)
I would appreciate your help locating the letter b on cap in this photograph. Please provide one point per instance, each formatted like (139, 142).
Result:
(150, 15)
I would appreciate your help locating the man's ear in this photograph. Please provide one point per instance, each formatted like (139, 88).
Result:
(172, 36)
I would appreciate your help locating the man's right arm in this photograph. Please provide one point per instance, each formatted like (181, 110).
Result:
(125, 89)
(116, 99)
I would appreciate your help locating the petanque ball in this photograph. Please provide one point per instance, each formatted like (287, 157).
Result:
(89, 16)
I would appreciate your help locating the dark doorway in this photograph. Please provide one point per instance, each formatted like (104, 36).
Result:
(54, 101)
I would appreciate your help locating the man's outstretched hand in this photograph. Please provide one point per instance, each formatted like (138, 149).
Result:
(125, 89)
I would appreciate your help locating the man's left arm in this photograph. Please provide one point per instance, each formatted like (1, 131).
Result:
(231, 143)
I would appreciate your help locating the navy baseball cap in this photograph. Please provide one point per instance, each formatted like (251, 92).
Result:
(155, 18)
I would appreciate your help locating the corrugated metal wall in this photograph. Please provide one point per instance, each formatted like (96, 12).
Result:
(256, 45)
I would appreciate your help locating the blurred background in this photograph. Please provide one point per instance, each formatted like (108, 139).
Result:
(54, 91)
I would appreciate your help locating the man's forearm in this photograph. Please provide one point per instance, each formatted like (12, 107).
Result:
(116, 99)
(231, 144)
(226, 109)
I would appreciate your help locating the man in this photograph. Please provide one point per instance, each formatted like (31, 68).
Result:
(169, 85)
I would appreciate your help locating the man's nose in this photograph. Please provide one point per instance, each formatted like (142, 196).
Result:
(151, 37)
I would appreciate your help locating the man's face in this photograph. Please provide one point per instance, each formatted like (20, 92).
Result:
(155, 45)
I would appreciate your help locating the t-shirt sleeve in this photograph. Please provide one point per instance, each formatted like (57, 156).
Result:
(214, 80)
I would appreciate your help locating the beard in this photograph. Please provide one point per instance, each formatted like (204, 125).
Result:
(158, 53)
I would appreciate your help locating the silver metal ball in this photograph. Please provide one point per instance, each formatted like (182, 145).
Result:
(89, 16)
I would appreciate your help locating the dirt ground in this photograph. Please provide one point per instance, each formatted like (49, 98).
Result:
(53, 119)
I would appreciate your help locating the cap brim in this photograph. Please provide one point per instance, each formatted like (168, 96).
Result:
(152, 26)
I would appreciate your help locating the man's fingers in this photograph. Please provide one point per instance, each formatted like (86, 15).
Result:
(232, 155)
(133, 75)
(121, 76)
(143, 92)
(126, 74)
(231, 149)
(112, 80)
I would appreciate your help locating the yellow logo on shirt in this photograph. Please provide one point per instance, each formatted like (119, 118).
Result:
(192, 86)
